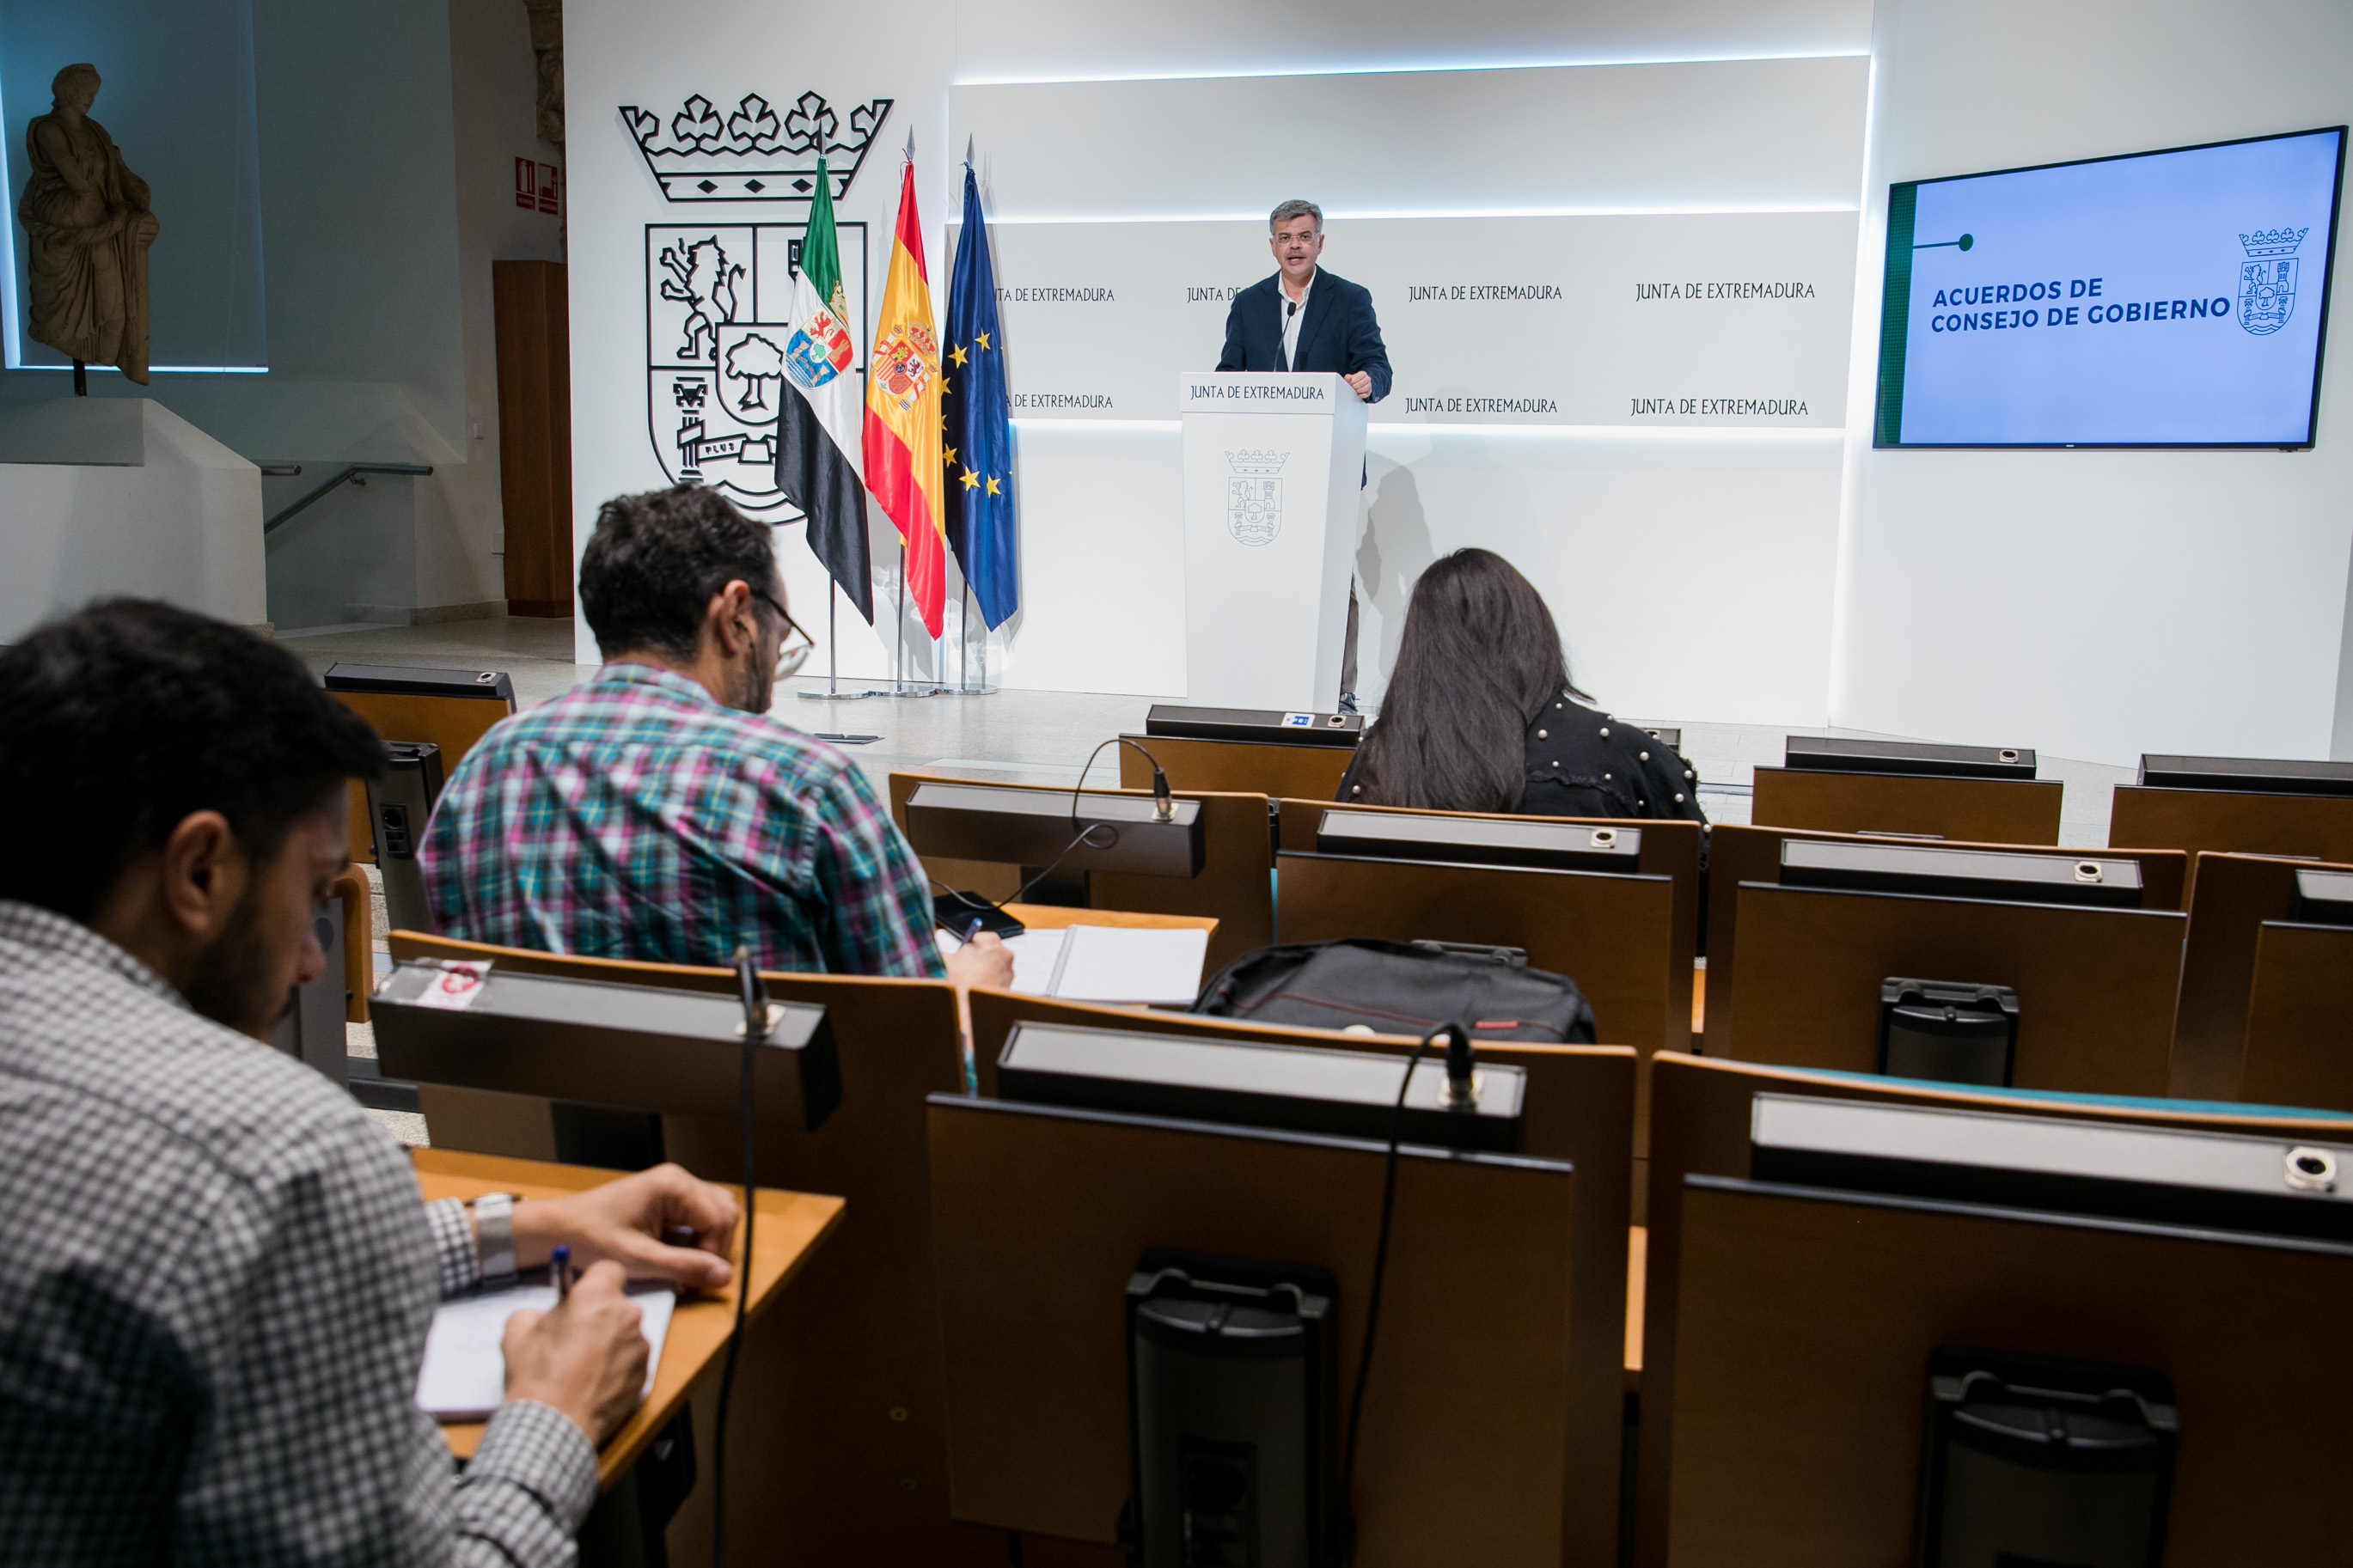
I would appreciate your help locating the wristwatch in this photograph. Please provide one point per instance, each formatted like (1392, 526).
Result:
(494, 1236)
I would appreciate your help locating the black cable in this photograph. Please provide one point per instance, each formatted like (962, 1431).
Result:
(754, 997)
(1160, 797)
(1347, 1534)
(1162, 803)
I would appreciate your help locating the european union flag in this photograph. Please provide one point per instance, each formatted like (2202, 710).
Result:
(979, 448)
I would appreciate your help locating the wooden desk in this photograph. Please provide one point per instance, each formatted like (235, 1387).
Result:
(791, 1225)
(1638, 1258)
(1059, 917)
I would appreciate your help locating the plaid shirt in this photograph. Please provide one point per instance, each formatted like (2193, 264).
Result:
(213, 1290)
(636, 817)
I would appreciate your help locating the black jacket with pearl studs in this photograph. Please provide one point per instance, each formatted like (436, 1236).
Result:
(1584, 762)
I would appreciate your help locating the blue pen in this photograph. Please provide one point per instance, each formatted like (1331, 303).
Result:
(975, 929)
(560, 1265)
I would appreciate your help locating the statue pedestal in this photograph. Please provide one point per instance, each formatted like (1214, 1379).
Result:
(101, 496)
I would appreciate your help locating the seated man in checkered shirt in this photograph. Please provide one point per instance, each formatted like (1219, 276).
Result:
(656, 811)
(218, 1275)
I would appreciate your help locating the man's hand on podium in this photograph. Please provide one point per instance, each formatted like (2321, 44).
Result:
(1360, 382)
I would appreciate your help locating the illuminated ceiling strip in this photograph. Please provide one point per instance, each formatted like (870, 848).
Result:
(1339, 215)
(1582, 432)
(1413, 68)
(169, 369)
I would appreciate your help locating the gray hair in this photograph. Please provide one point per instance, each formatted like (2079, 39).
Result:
(1296, 209)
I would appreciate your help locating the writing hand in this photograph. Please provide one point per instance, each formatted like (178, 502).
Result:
(587, 1358)
(983, 960)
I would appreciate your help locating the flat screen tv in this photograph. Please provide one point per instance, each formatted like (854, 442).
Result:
(2174, 298)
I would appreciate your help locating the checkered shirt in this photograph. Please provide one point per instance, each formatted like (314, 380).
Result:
(636, 817)
(215, 1286)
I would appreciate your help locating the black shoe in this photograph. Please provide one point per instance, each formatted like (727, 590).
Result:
(1348, 702)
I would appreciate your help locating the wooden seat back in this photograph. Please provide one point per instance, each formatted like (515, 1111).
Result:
(2233, 896)
(1673, 850)
(1248, 767)
(2319, 827)
(1701, 1111)
(1042, 1215)
(1740, 854)
(2095, 987)
(2299, 1040)
(841, 1382)
(1981, 811)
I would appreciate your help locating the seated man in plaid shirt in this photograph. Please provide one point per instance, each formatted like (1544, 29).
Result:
(655, 811)
(217, 1276)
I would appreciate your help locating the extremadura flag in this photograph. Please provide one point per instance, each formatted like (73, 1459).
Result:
(817, 446)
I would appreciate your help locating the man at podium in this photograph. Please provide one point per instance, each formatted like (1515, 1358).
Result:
(1304, 319)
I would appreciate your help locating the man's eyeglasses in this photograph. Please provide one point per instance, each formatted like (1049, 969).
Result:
(793, 651)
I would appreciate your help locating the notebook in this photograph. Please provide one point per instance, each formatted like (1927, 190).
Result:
(1106, 964)
(464, 1377)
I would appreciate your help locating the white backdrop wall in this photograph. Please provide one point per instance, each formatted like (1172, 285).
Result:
(1690, 570)
(2095, 605)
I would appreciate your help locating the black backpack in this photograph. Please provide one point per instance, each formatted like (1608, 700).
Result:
(1400, 988)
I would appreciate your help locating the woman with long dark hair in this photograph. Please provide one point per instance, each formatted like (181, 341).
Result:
(1481, 714)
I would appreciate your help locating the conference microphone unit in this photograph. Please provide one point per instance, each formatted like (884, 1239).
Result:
(1267, 726)
(474, 1025)
(1822, 754)
(1450, 1104)
(2246, 776)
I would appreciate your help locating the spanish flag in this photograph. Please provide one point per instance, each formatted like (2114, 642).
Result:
(902, 441)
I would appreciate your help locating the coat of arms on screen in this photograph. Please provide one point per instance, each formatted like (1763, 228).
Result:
(2267, 279)
(1254, 496)
(719, 331)
(703, 153)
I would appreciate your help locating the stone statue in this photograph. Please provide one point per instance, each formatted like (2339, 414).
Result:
(87, 219)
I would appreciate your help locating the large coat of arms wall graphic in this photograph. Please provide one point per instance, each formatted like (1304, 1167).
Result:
(719, 295)
(718, 326)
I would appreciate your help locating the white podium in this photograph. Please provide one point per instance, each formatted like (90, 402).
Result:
(1274, 468)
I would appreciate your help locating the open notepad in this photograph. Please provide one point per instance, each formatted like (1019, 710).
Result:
(464, 1377)
(1107, 964)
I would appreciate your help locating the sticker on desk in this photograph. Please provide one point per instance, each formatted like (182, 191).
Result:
(457, 986)
(1298, 721)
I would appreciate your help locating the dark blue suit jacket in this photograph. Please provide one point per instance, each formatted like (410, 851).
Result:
(1339, 334)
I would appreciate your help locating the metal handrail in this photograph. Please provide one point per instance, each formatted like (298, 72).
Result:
(276, 520)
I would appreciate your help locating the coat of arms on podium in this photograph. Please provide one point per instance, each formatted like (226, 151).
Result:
(1254, 496)
(2267, 279)
(719, 324)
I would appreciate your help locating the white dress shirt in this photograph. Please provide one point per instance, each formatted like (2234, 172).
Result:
(1292, 318)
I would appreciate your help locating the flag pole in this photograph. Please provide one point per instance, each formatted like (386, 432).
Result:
(833, 691)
